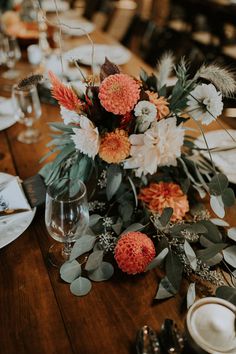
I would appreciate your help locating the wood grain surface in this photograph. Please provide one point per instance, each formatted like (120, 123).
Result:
(38, 314)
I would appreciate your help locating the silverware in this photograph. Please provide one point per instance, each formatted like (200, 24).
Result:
(147, 341)
(8, 212)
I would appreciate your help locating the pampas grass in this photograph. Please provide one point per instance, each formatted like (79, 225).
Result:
(164, 68)
(222, 78)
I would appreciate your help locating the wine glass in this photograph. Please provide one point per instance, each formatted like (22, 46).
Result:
(66, 216)
(12, 55)
(27, 110)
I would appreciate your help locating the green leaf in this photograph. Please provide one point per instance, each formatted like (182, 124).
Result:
(61, 127)
(117, 227)
(93, 219)
(94, 261)
(227, 293)
(143, 75)
(80, 286)
(46, 170)
(126, 210)
(196, 228)
(232, 233)
(114, 178)
(166, 216)
(214, 260)
(157, 260)
(211, 251)
(218, 184)
(205, 242)
(219, 222)
(104, 272)
(69, 271)
(190, 255)
(228, 197)
(229, 254)
(217, 205)
(82, 245)
(191, 295)
(174, 269)
(213, 233)
(133, 227)
(165, 290)
(134, 191)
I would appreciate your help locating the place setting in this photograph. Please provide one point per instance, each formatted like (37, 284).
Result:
(16, 213)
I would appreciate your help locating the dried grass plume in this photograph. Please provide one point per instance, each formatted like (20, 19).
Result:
(164, 68)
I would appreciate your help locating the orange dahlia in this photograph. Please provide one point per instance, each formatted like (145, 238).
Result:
(119, 93)
(64, 95)
(158, 196)
(133, 252)
(115, 146)
(160, 103)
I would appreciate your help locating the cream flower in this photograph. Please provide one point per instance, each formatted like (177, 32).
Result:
(158, 146)
(79, 88)
(145, 112)
(86, 138)
(205, 103)
(69, 117)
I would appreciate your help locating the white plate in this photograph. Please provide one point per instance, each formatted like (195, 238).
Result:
(115, 53)
(15, 225)
(224, 160)
(6, 120)
(49, 6)
(78, 27)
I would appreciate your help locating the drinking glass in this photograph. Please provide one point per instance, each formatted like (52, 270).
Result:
(27, 111)
(12, 55)
(66, 216)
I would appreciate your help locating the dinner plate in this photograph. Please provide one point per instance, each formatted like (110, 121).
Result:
(49, 6)
(225, 160)
(6, 120)
(77, 27)
(13, 226)
(115, 53)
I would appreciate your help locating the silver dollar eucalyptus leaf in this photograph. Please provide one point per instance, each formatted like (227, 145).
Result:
(94, 261)
(190, 255)
(158, 259)
(230, 255)
(232, 233)
(191, 295)
(104, 272)
(82, 245)
(80, 286)
(69, 271)
(217, 205)
(165, 290)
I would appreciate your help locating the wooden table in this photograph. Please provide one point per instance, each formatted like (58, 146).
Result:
(38, 314)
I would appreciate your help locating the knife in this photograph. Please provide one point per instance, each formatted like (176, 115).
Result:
(8, 212)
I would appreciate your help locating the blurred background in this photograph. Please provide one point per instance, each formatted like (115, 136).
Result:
(201, 30)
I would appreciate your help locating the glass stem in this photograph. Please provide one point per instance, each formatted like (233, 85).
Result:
(67, 249)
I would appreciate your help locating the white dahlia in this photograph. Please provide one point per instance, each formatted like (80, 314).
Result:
(146, 113)
(158, 146)
(86, 138)
(205, 103)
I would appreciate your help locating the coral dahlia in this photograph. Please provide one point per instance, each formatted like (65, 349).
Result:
(158, 196)
(133, 252)
(160, 103)
(119, 93)
(115, 146)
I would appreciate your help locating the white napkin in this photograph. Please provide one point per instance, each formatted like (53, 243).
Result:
(13, 197)
(6, 106)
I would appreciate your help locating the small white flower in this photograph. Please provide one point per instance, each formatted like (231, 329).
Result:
(86, 138)
(205, 103)
(158, 146)
(69, 116)
(146, 113)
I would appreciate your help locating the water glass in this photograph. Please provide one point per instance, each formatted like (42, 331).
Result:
(27, 110)
(66, 216)
(12, 54)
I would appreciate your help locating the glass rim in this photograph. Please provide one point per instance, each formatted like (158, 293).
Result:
(30, 88)
(83, 194)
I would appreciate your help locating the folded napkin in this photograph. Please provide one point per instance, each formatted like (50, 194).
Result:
(12, 196)
(6, 107)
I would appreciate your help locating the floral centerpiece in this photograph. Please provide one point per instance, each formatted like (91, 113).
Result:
(129, 136)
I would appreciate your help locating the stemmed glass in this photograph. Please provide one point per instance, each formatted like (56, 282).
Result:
(27, 110)
(11, 54)
(66, 216)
